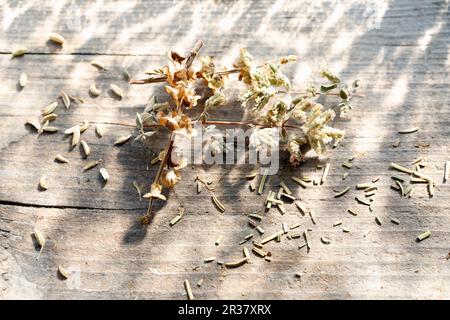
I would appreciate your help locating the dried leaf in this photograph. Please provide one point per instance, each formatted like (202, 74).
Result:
(155, 192)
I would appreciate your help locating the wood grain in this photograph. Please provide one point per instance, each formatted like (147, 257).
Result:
(400, 52)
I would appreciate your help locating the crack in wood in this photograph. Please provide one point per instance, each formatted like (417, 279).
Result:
(85, 54)
(34, 205)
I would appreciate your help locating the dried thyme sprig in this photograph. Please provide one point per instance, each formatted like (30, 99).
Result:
(304, 123)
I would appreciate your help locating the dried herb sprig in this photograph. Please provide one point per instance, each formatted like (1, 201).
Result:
(304, 124)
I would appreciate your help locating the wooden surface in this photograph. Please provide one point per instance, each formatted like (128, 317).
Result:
(400, 51)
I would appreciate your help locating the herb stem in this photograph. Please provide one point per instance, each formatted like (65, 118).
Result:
(167, 152)
(239, 123)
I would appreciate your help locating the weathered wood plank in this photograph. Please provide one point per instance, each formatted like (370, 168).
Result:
(398, 50)
(136, 27)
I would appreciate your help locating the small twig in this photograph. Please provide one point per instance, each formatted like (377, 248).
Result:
(167, 153)
(244, 123)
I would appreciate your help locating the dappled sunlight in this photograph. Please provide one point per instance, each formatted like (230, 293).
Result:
(10, 13)
(397, 94)
(398, 49)
(425, 40)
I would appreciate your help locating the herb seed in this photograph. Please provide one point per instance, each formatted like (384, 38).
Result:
(294, 226)
(66, 100)
(86, 148)
(313, 219)
(218, 203)
(63, 272)
(269, 238)
(116, 90)
(260, 230)
(408, 130)
(122, 140)
(400, 168)
(251, 175)
(39, 236)
(259, 252)
(55, 37)
(60, 158)
(341, 193)
(94, 91)
(23, 79)
(446, 171)
(378, 220)
(18, 52)
(99, 130)
(49, 129)
(236, 263)
(255, 216)
(369, 189)
(188, 290)
(325, 240)
(308, 244)
(262, 182)
(300, 181)
(43, 183)
(362, 200)
(104, 174)
(246, 253)
(363, 185)
(424, 235)
(84, 126)
(76, 135)
(281, 208)
(209, 259)
(301, 207)
(49, 117)
(98, 65)
(49, 109)
(33, 123)
(325, 173)
(90, 165)
(175, 220)
(347, 165)
(431, 189)
(285, 188)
